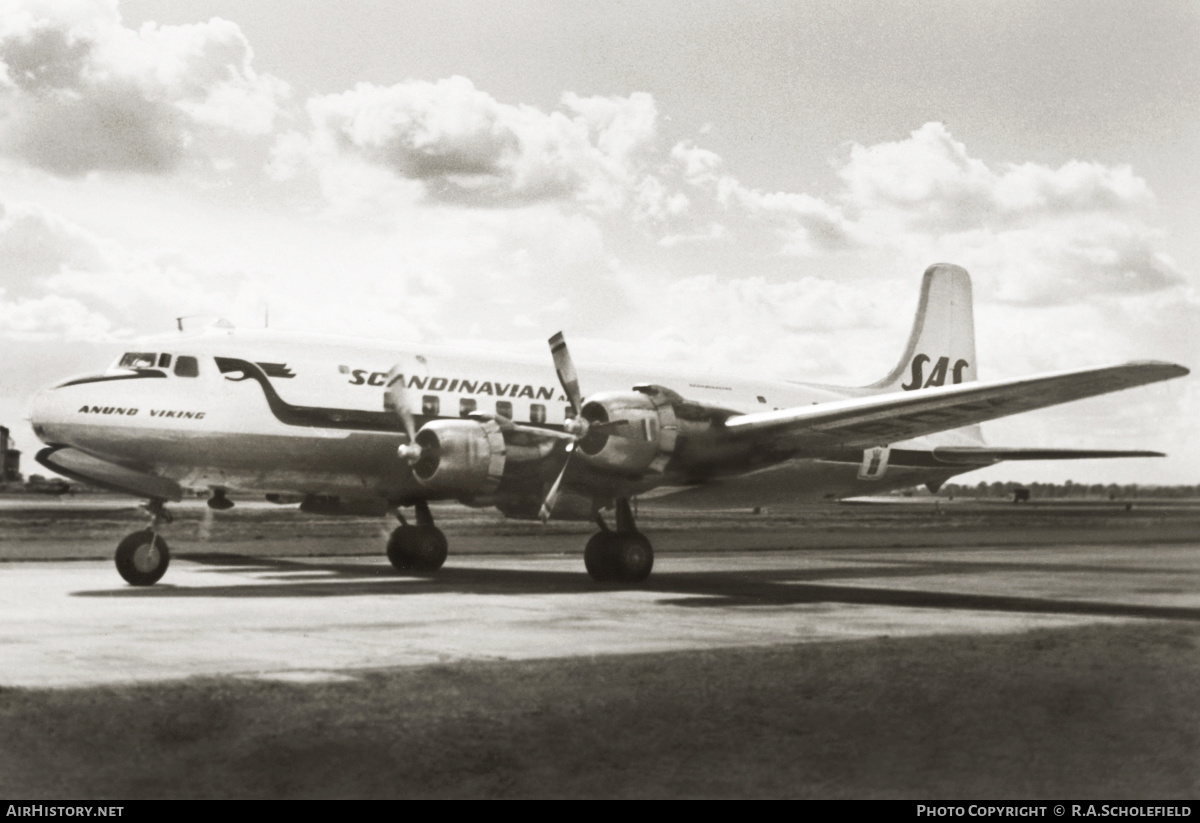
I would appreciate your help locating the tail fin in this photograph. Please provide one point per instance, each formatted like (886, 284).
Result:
(941, 348)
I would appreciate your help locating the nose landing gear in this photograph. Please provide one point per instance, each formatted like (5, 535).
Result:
(142, 557)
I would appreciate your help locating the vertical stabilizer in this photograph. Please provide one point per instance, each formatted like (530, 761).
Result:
(941, 348)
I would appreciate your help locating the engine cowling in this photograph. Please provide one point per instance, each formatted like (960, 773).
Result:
(461, 457)
(641, 432)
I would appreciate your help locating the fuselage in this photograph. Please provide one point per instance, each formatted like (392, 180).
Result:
(274, 412)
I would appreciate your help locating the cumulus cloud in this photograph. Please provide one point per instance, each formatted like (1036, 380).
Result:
(84, 93)
(466, 147)
(806, 327)
(656, 203)
(1034, 234)
(933, 184)
(50, 317)
(805, 225)
(804, 305)
(808, 224)
(35, 244)
(58, 280)
(714, 232)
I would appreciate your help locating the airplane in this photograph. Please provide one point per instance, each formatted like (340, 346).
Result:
(356, 427)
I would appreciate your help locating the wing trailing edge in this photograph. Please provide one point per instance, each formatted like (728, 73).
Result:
(975, 455)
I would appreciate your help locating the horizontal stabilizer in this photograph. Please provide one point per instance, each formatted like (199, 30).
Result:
(972, 455)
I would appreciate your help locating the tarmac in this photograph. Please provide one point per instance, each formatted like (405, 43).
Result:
(312, 619)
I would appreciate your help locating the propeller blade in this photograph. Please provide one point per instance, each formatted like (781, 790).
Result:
(552, 496)
(566, 371)
(395, 400)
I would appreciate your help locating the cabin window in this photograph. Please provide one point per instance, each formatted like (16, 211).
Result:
(537, 413)
(504, 409)
(187, 366)
(466, 405)
(138, 360)
(430, 406)
(164, 361)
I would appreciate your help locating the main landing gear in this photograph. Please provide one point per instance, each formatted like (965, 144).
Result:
(621, 556)
(142, 557)
(419, 548)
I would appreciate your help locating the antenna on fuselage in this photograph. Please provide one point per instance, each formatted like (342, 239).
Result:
(214, 321)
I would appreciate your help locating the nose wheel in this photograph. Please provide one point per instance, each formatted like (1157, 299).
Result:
(142, 557)
(421, 548)
(621, 556)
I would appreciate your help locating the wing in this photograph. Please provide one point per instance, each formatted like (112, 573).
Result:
(895, 416)
(974, 455)
(83, 467)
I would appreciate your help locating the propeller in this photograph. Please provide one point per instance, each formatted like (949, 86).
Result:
(395, 400)
(578, 426)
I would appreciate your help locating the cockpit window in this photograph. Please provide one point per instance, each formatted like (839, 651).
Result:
(164, 361)
(186, 366)
(138, 360)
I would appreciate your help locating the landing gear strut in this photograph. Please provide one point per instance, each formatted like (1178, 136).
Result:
(419, 548)
(624, 555)
(142, 557)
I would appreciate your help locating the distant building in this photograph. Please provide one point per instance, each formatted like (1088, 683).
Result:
(10, 459)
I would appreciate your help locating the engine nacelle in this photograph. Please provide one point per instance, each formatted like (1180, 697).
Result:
(462, 457)
(643, 437)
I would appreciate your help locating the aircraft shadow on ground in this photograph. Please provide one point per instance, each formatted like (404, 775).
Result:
(700, 589)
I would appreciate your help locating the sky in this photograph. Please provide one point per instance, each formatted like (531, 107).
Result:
(730, 187)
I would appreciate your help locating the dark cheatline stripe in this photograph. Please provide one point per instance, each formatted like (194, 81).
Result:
(327, 418)
(309, 416)
(277, 370)
(139, 375)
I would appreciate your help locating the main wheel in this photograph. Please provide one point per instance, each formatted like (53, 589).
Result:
(633, 558)
(618, 556)
(417, 548)
(598, 557)
(142, 558)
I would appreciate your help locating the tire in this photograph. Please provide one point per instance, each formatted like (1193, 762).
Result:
(139, 561)
(633, 557)
(598, 557)
(417, 548)
(618, 557)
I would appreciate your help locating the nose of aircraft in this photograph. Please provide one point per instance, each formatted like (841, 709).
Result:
(46, 415)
